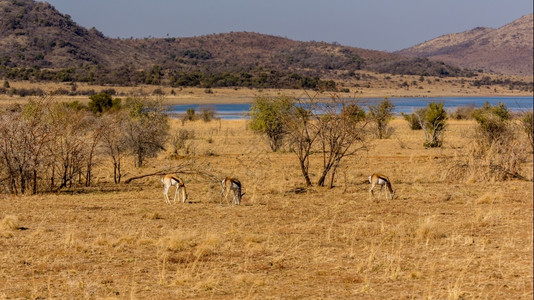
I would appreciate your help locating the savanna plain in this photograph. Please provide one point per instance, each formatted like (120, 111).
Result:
(440, 237)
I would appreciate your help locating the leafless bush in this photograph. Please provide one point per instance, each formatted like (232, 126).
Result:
(70, 145)
(45, 146)
(25, 139)
(463, 112)
(526, 123)
(207, 113)
(382, 133)
(334, 127)
(341, 134)
(181, 140)
(114, 143)
(146, 128)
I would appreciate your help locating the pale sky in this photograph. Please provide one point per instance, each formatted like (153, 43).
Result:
(387, 25)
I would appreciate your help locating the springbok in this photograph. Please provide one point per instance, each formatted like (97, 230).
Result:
(231, 184)
(382, 181)
(173, 180)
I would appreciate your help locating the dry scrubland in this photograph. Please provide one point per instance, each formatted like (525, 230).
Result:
(438, 239)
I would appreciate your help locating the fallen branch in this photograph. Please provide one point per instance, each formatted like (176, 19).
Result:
(508, 172)
(179, 170)
(160, 173)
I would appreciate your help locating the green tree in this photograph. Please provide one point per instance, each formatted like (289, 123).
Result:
(432, 120)
(380, 114)
(102, 102)
(267, 117)
(413, 120)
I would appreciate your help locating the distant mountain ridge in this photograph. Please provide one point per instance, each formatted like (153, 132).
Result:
(39, 43)
(506, 50)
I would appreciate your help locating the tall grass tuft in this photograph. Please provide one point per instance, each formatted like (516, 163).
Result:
(8, 224)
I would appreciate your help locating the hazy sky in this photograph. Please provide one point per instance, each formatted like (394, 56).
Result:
(372, 24)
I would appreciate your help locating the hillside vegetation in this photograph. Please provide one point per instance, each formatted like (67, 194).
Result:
(39, 43)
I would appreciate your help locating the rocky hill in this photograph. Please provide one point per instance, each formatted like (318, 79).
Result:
(506, 50)
(38, 42)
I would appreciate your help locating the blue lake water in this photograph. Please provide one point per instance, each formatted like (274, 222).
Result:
(405, 105)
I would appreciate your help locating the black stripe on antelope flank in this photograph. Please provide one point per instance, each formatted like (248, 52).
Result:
(176, 178)
(383, 178)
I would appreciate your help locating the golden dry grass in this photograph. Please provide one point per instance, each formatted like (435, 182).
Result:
(436, 240)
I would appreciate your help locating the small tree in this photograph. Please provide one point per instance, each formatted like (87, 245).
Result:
(341, 128)
(114, 142)
(380, 114)
(267, 117)
(102, 102)
(302, 132)
(432, 120)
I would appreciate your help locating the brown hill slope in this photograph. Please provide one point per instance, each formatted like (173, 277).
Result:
(38, 42)
(506, 50)
(35, 34)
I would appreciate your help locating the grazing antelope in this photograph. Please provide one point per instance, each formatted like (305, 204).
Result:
(231, 184)
(170, 180)
(382, 181)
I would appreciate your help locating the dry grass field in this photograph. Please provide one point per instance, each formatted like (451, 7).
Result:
(438, 239)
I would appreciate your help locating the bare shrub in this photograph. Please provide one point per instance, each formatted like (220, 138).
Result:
(302, 132)
(146, 128)
(526, 123)
(70, 145)
(334, 128)
(463, 112)
(25, 140)
(341, 134)
(207, 113)
(114, 143)
(181, 140)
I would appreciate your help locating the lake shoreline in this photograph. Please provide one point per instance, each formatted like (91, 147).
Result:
(402, 105)
(383, 86)
(242, 99)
